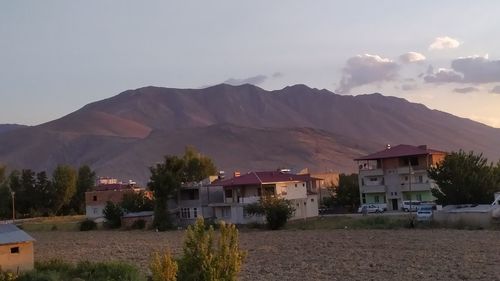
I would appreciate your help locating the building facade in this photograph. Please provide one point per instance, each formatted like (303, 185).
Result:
(245, 189)
(396, 174)
(16, 249)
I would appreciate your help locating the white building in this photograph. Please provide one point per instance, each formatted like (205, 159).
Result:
(248, 188)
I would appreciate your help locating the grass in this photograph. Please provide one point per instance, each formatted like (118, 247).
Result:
(348, 222)
(63, 223)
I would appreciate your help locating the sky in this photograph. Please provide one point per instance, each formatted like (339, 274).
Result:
(57, 56)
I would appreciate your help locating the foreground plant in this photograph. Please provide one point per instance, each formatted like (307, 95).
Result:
(163, 267)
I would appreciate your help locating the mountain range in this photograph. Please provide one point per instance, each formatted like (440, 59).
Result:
(241, 127)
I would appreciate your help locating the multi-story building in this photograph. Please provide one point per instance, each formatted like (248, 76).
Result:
(249, 188)
(396, 174)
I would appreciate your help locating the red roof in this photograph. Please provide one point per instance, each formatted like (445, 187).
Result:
(257, 178)
(401, 150)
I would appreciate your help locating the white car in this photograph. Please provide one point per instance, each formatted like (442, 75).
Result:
(370, 208)
(424, 213)
(406, 206)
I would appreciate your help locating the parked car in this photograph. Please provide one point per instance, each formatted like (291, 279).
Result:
(370, 208)
(424, 213)
(407, 207)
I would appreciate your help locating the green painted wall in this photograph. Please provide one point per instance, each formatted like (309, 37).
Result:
(370, 198)
(419, 195)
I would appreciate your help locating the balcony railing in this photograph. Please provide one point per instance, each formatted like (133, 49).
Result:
(371, 172)
(416, 186)
(373, 189)
(405, 170)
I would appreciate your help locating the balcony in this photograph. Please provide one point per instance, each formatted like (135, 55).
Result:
(405, 171)
(373, 189)
(416, 187)
(371, 172)
(241, 200)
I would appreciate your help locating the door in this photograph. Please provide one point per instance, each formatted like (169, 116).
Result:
(394, 204)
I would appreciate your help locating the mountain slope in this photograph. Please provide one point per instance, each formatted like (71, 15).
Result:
(241, 127)
(10, 127)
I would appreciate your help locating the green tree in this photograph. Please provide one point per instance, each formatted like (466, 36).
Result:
(347, 191)
(113, 214)
(464, 178)
(5, 196)
(203, 261)
(64, 183)
(44, 193)
(167, 177)
(136, 202)
(85, 181)
(276, 210)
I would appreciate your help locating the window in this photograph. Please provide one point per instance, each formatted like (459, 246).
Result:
(312, 199)
(14, 250)
(303, 184)
(373, 179)
(195, 212)
(94, 198)
(228, 193)
(295, 185)
(420, 179)
(419, 197)
(226, 212)
(376, 199)
(364, 198)
(94, 210)
(185, 213)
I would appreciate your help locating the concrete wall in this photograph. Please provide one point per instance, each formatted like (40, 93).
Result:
(17, 262)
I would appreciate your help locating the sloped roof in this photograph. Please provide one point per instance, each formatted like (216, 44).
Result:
(256, 178)
(10, 234)
(401, 150)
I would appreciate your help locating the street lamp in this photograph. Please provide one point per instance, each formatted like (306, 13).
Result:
(13, 206)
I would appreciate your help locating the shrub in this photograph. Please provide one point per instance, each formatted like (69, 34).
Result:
(113, 214)
(202, 262)
(7, 276)
(163, 267)
(87, 225)
(139, 224)
(57, 270)
(276, 210)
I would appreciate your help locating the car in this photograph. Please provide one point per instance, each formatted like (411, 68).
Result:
(370, 208)
(424, 213)
(410, 205)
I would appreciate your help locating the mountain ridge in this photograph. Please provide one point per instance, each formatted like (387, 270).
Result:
(144, 119)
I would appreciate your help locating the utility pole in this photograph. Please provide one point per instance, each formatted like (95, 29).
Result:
(13, 206)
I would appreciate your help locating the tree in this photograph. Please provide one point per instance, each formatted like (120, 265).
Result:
(464, 178)
(167, 178)
(113, 214)
(85, 181)
(277, 211)
(163, 267)
(5, 196)
(45, 193)
(201, 261)
(64, 182)
(347, 191)
(136, 202)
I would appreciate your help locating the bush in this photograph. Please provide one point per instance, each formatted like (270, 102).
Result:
(276, 210)
(87, 225)
(202, 262)
(163, 267)
(139, 224)
(113, 214)
(57, 270)
(7, 276)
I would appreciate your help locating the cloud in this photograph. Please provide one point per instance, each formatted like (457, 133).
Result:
(443, 75)
(366, 69)
(474, 69)
(444, 42)
(465, 90)
(412, 57)
(254, 80)
(478, 69)
(495, 90)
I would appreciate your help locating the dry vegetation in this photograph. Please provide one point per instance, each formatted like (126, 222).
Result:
(308, 254)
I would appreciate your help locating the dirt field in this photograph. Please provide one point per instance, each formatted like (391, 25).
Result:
(309, 254)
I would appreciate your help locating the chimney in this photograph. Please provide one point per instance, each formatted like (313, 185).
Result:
(236, 174)
(388, 146)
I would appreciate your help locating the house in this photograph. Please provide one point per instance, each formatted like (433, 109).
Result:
(245, 189)
(16, 249)
(108, 189)
(194, 199)
(397, 173)
(129, 219)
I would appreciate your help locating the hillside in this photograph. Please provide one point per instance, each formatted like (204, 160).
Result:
(241, 127)
(10, 127)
